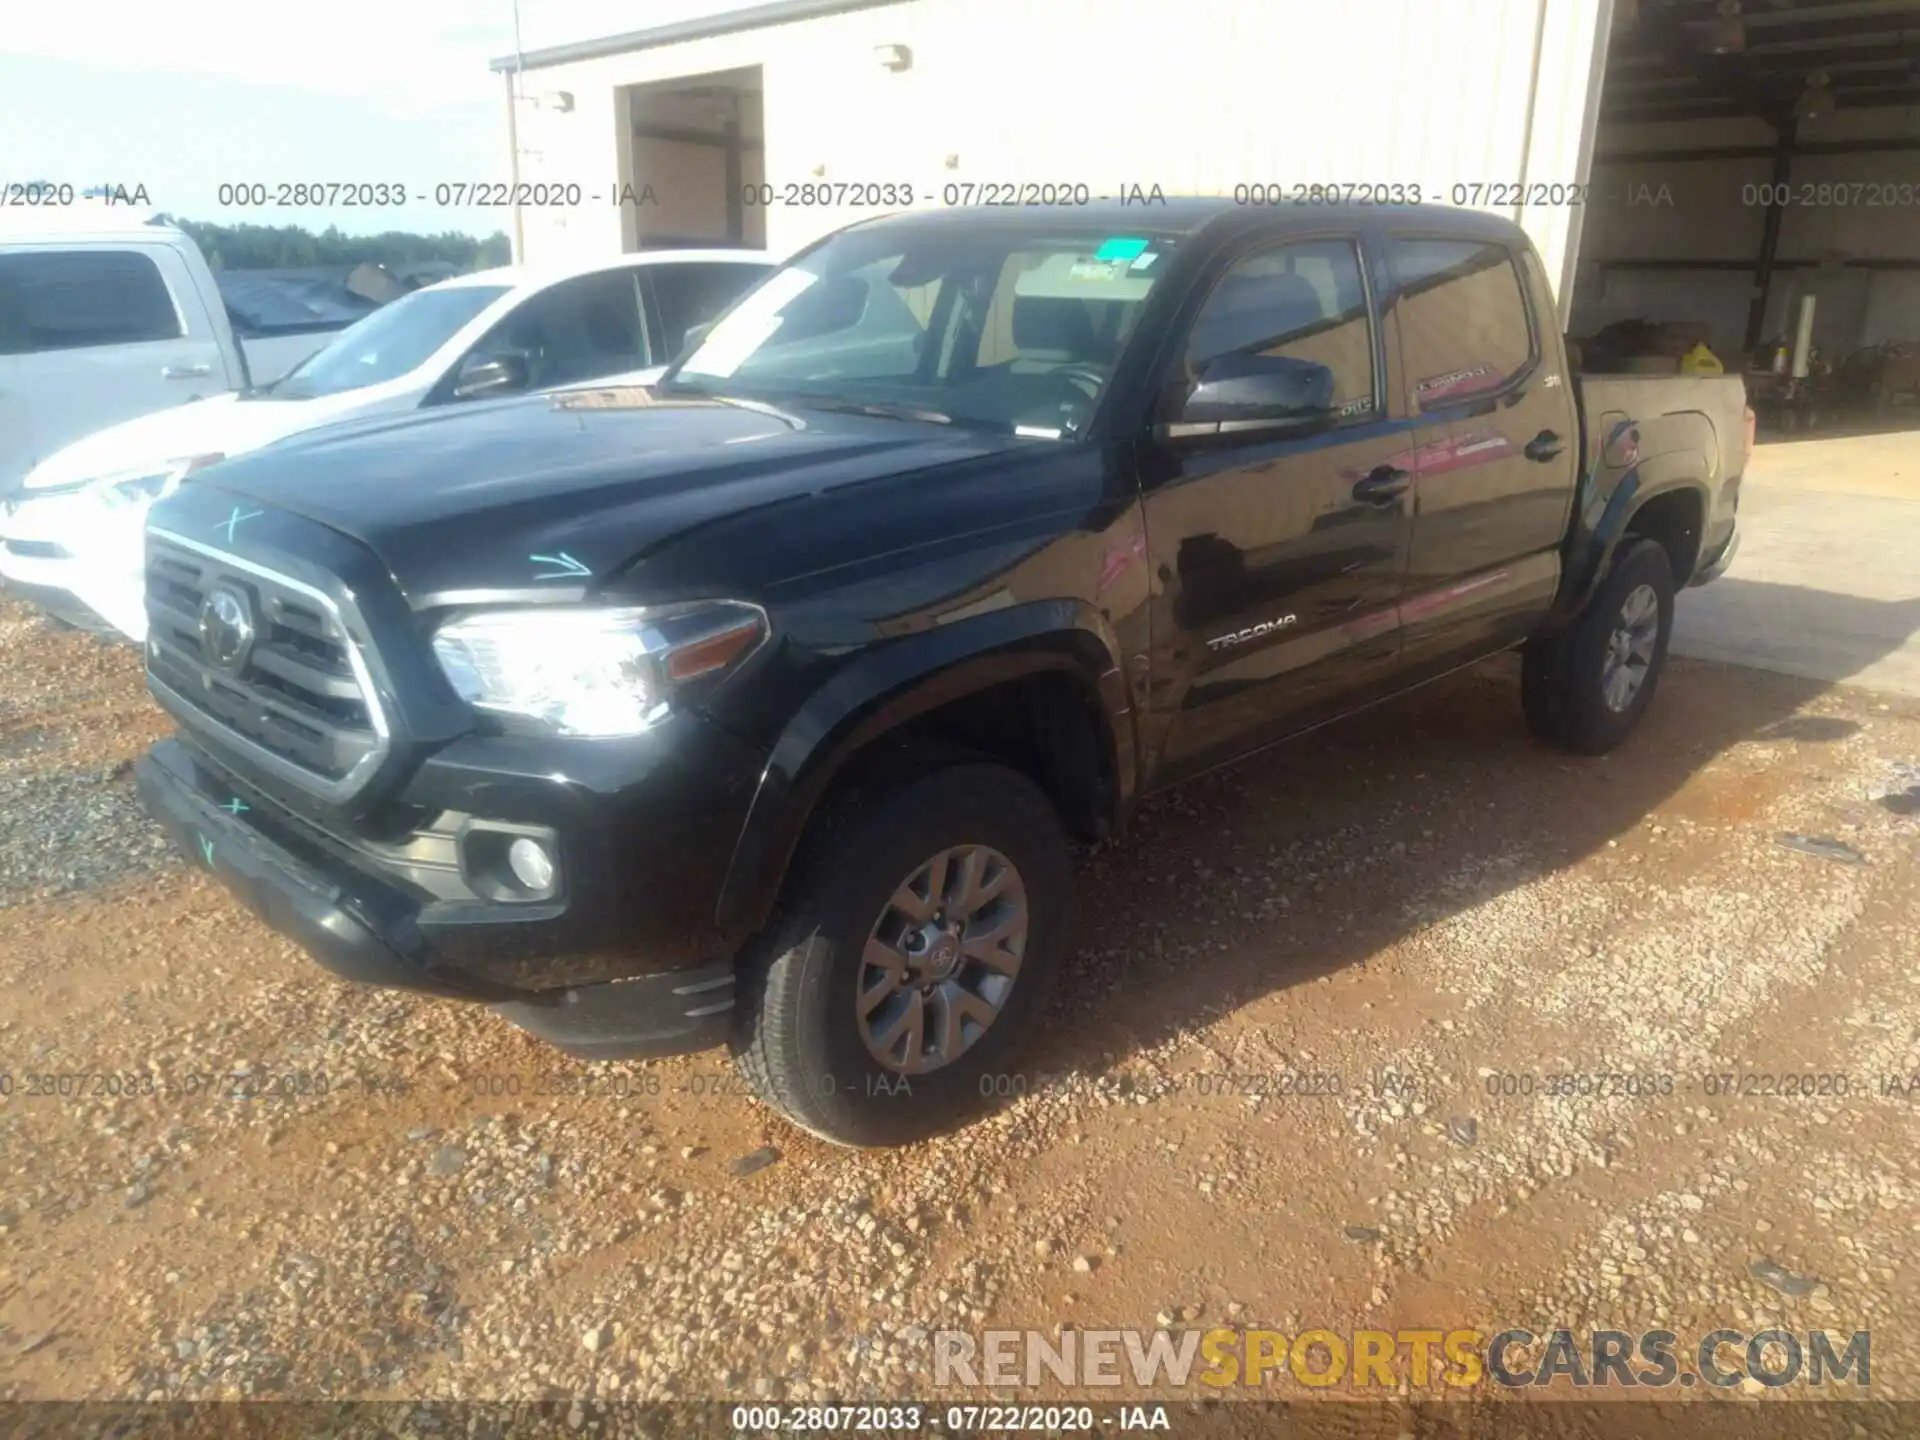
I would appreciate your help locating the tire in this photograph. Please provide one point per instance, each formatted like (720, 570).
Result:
(1564, 680)
(799, 1039)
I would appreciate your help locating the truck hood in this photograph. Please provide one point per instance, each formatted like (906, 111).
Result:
(560, 492)
(221, 425)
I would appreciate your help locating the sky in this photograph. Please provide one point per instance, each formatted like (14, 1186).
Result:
(184, 96)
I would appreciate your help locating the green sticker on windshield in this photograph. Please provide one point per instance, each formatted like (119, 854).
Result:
(1119, 248)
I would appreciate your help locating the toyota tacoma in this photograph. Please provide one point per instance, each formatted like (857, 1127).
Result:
(763, 706)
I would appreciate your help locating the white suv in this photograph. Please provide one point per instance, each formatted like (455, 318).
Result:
(72, 539)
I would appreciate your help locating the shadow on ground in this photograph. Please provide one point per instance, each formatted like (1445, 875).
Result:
(1448, 776)
(1795, 630)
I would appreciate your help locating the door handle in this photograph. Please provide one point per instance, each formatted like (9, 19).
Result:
(1382, 485)
(1543, 446)
(184, 372)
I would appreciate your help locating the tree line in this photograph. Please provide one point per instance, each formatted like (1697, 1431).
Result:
(275, 247)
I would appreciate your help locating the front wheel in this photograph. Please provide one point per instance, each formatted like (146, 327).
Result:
(919, 948)
(1586, 688)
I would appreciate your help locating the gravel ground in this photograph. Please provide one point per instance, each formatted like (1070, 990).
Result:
(72, 831)
(1421, 905)
(72, 714)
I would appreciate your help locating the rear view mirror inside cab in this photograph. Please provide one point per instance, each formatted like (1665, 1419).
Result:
(830, 305)
(927, 264)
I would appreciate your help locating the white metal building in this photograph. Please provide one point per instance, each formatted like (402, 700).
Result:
(1651, 141)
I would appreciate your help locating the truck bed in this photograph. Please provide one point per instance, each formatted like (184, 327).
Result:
(1689, 434)
(1705, 414)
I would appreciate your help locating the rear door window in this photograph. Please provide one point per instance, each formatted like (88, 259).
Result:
(1464, 328)
(81, 299)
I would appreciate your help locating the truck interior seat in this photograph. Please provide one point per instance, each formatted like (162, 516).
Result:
(1048, 333)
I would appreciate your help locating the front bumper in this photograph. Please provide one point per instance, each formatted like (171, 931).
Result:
(538, 964)
(74, 545)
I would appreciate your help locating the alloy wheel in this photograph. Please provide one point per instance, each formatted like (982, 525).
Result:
(1630, 648)
(942, 959)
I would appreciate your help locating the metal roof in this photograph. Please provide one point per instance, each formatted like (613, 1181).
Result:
(728, 22)
(263, 301)
(1687, 60)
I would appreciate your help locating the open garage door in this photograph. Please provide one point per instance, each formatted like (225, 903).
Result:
(694, 161)
(1754, 157)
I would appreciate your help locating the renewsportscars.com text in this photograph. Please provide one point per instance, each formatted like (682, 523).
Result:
(1381, 1359)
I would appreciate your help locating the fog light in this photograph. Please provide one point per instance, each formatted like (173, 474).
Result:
(530, 863)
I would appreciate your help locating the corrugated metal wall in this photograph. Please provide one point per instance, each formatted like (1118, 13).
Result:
(1196, 96)
(1711, 210)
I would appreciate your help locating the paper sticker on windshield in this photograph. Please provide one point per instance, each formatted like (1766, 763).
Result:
(1120, 247)
(1067, 276)
(1145, 260)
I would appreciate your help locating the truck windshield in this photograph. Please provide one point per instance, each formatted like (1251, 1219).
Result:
(385, 345)
(989, 325)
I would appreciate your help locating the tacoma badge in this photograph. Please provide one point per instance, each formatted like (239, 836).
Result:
(1252, 632)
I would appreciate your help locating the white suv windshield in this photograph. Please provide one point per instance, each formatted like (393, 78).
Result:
(1000, 326)
(387, 344)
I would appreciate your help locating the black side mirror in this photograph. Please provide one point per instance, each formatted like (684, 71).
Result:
(1257, 390)
(490, 375)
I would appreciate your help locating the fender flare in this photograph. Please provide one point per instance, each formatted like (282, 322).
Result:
(892, 684)
(1592, 555)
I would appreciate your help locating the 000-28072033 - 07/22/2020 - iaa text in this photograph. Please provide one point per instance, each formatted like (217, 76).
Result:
(954, 1418)
(389, 192)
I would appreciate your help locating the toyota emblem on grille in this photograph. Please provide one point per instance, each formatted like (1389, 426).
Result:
(226, 628)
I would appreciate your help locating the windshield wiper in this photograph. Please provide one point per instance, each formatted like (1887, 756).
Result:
(808, 399)
(868, 407)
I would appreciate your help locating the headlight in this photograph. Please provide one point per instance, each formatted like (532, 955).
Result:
(601, 671)
(151, 486)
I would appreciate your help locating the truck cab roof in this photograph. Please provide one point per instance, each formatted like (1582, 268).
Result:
(1191, 214)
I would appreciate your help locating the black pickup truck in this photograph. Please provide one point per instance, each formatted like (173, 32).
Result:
(762, 706)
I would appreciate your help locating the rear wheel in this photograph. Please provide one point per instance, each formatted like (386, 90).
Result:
(1586, 688)
(919, 948)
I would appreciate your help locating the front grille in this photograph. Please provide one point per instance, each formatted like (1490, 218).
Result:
(297, 697)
